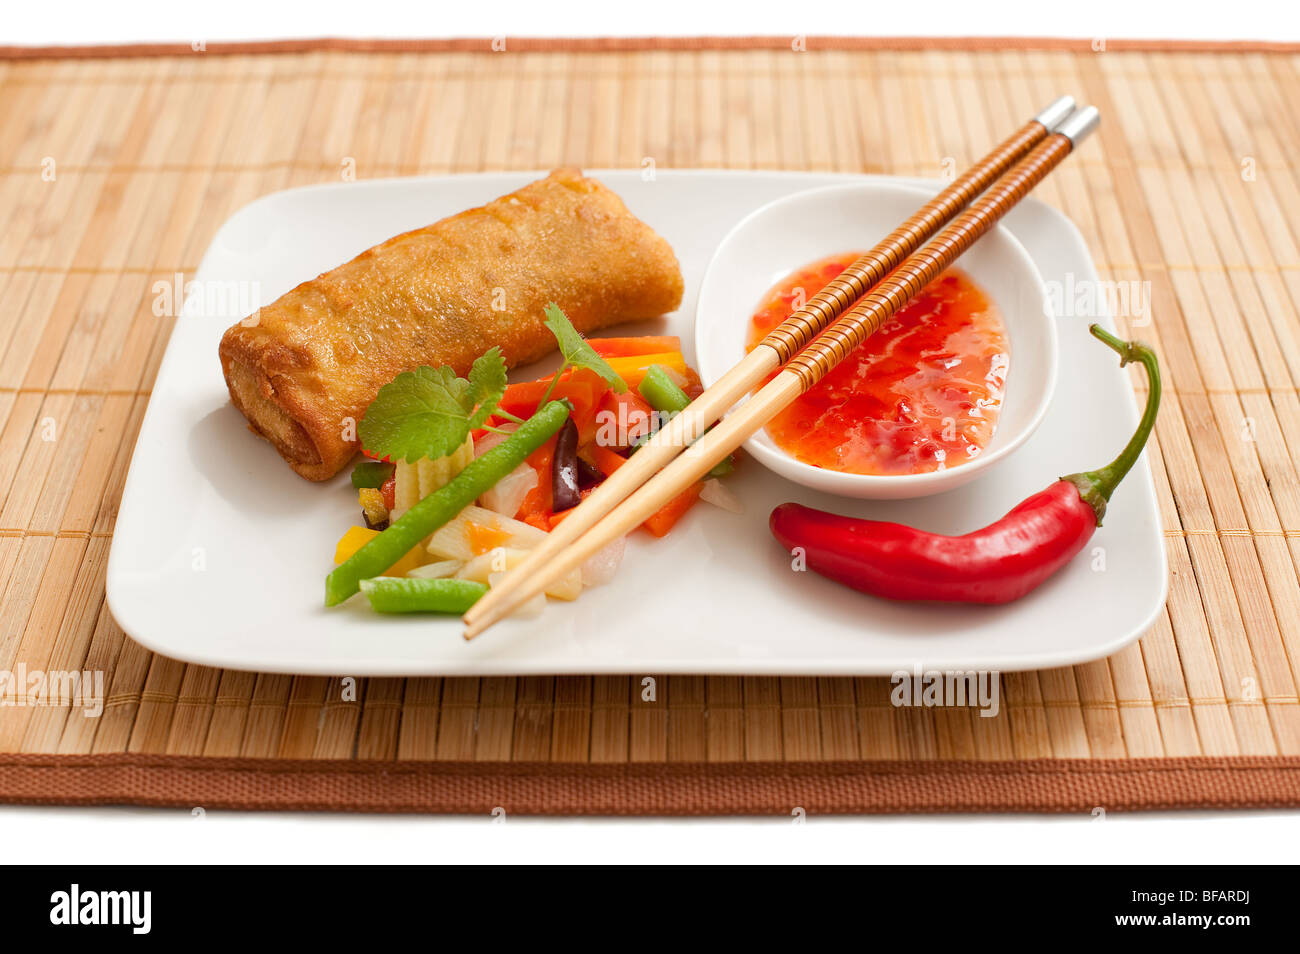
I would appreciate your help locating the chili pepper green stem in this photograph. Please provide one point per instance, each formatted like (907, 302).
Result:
(1096, 486)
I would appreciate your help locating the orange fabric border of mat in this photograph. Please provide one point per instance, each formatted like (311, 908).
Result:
(610, 44)
(678, 789)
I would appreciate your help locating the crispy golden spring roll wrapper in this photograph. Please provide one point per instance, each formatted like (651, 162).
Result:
(304, 369)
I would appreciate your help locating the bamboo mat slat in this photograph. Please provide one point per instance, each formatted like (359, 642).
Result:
(115, 173)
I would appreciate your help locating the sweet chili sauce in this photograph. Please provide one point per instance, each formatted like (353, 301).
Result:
(921, 394)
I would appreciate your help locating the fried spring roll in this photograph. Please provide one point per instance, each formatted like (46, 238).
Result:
(304, 369)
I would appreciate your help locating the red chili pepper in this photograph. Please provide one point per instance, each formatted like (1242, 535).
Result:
(998, 564)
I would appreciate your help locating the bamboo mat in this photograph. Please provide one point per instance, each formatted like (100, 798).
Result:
(116, 171)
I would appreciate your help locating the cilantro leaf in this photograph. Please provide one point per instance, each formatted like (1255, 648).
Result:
(487, 383)
(429, 412)
(420, 413)
(577, 353)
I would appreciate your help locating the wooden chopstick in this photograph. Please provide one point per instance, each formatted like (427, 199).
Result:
(632, 480)
(775, 349)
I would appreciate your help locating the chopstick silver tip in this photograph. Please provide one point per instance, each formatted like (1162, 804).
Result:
(1081, 123)
(1056, 112)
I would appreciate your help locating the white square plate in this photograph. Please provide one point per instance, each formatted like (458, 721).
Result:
(220, 551)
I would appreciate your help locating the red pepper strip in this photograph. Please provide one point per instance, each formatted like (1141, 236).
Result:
(536, 508)
(606, 459)
(556, 518)
(526, 395)
(581, 387)
(997, 564)
(693, 386)
(623, 419)
(629, 347)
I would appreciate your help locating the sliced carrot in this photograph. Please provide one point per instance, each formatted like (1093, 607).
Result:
(542, 521)
(645, 344)
(667, 516)
(483, 538)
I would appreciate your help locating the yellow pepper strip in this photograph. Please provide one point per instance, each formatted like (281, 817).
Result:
(633, 367)
(352, 541)
(372, 502)
(357, 537)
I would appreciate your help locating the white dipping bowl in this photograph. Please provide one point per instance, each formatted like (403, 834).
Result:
(787, 234)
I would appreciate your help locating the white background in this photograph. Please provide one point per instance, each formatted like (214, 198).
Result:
(127, 835)
(80, 21)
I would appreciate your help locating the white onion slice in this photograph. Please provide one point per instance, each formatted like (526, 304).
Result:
(436, 571)
(603, 564)
(529, 609)
(507, 495)
(502, 559)
(491, 439)
(720, 495)
(451, 542)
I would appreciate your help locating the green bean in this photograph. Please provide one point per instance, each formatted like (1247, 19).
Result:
(371, 473)
(662, 393)
(723, 467)
(396, 594)
(441, 506)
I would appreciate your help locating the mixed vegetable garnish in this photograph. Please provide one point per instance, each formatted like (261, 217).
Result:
(463, 476)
